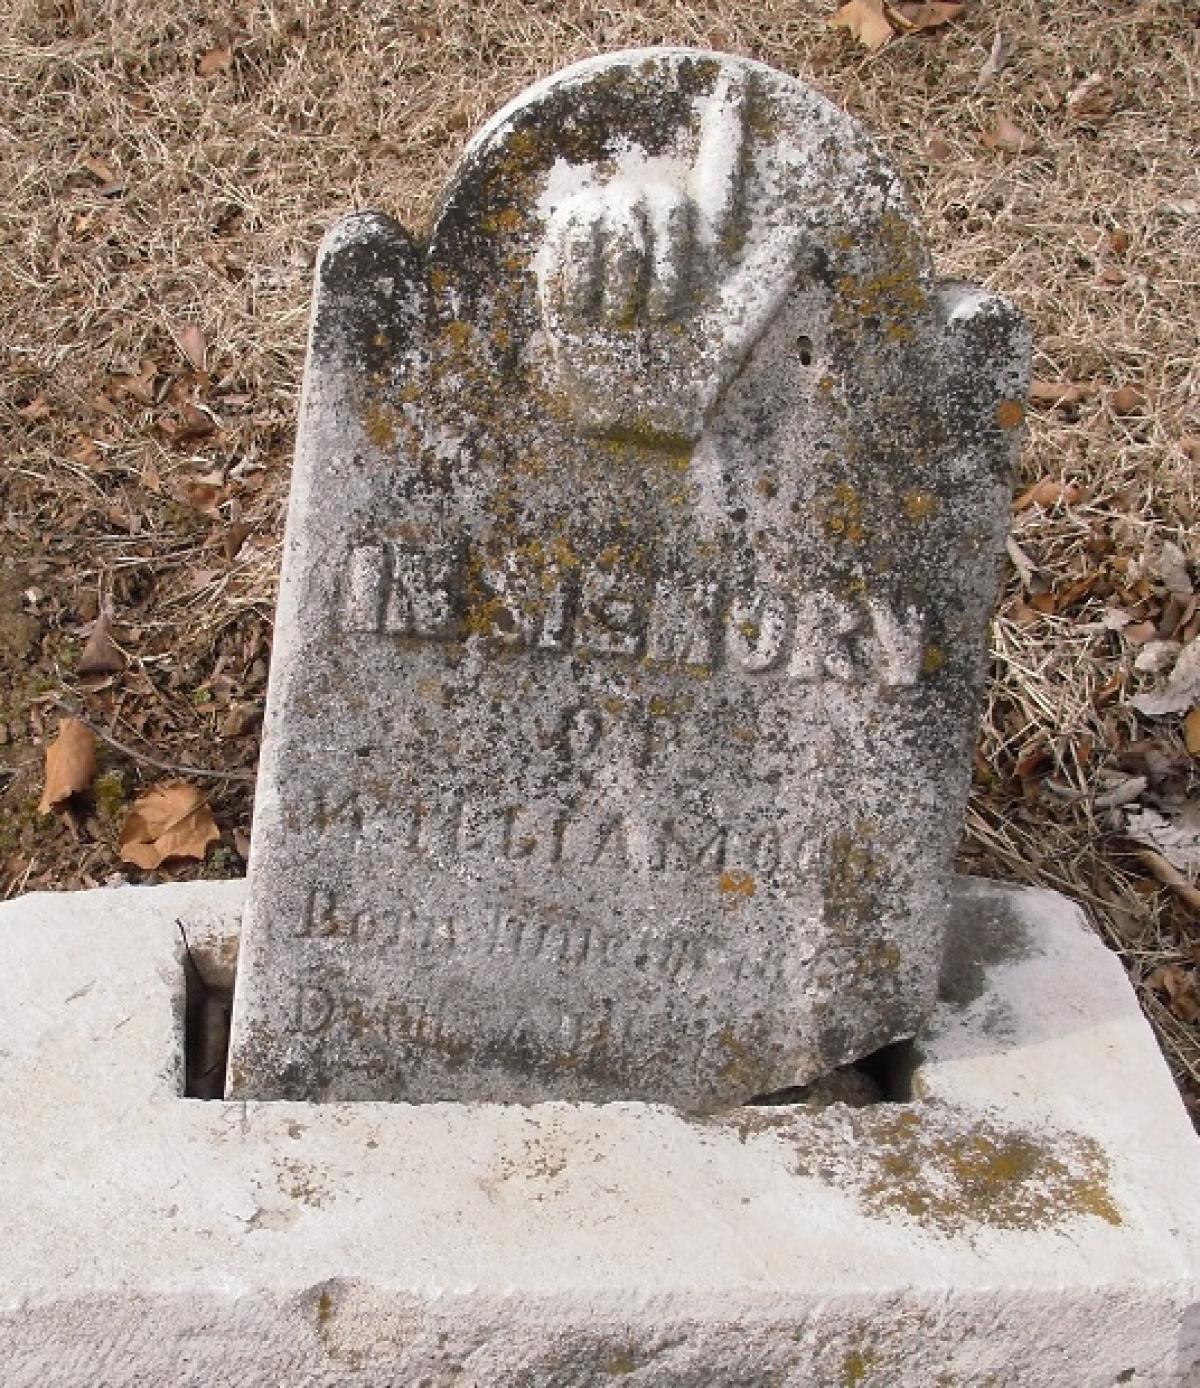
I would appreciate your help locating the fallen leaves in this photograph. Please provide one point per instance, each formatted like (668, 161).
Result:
(875, 23)
(1008, 137)
(866, 21)
(170, 820)
(1180, 693)
(100, 655)
(1060, 393)
(1179, 988)
(1128, 400)
(1050, 491)
(1001, 52)
(1092, 102)
(70, 764)
(916, 18)
(190, 340)
(215, 61)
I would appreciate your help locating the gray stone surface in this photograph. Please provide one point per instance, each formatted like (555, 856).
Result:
(1027, 1220)
(642, 544)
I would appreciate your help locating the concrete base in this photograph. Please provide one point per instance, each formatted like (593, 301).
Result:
(1030, 1218)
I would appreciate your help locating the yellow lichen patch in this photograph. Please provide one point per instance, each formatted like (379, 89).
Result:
(852, 878)
(843, 517)
(324, 1308)
(509, 220)
(457, 333)
(919, 505)
(379, 426)
(950, 1170)
(933, 659)
(855, 1367)
(736, 884)
(1010, 414)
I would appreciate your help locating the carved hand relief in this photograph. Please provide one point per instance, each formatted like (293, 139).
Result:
(642, 546)
(653, 282)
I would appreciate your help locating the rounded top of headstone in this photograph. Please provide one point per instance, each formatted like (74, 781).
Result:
(659, 204)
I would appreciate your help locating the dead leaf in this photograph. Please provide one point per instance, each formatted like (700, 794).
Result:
(235, 537)
(1181, 691)
(937, 149)
(240, 720)
(70, 764)
(139, 384)
(1171, 565)
(1050, 491)
(1170, 876)
(1060, 393)
(1092, 102)
(204, 493)
(38, 408)
(110, 183)
(1156, 656)
(189, 338)
(1002, 50)
(214, 61)
(170, 820)
(99, 170)
(866, 21)
(1127, 400)
(1008, 137)
(1025, 567)
(916, 17)
(1123, 792)
(100, 654)
(1138, 633)
(1179, 985)
(86, 452)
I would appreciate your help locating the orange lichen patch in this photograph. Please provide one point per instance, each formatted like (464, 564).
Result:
(736, 884)
(1010, 414)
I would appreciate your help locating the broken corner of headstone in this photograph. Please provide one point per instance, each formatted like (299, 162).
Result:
(643, 541)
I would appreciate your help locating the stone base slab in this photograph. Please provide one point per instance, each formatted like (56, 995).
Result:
(1028, 1218)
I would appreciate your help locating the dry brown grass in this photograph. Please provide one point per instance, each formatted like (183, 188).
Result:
(220, 188)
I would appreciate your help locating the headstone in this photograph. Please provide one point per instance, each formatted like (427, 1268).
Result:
(643, 539)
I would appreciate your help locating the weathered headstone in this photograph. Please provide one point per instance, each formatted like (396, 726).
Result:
(642, 544)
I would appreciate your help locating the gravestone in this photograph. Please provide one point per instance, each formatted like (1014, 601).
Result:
(643, 538)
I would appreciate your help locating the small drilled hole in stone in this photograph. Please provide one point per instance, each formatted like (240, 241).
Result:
(884, 1077)
(207, 1011)
(804, 350)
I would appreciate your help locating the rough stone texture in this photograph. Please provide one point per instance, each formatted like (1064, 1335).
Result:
(642, 544)
(1029, 1221)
